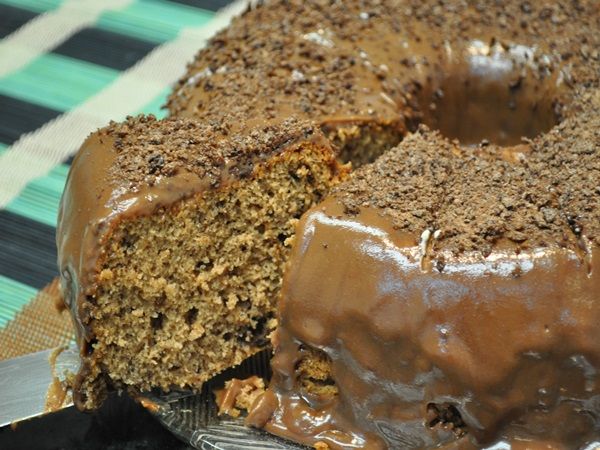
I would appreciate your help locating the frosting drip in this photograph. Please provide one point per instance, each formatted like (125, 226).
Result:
(497, 351)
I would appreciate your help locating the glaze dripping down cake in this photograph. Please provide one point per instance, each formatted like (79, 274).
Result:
(467, 326)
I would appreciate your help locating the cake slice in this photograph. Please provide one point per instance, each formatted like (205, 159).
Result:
(171, 239)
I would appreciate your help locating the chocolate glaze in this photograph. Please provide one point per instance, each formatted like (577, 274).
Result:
(389, 63)
(486, 91)
(111, 180)
(57, 391)
(511, 341)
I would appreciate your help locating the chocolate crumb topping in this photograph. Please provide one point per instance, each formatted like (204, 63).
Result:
(478, 201)
(147, 149)
(391, 62)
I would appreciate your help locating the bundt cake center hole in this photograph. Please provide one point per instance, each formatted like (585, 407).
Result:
(495, 94)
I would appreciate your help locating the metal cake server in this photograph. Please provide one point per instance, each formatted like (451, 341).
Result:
(27, 381)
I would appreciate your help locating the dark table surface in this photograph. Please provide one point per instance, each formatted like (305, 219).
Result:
(120, 423)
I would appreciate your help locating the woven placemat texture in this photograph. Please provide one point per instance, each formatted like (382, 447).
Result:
(67, 67)
(38, 325)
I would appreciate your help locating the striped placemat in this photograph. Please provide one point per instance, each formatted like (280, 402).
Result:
(67, 67)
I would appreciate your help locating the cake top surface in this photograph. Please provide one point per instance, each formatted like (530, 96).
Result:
(324, 59)
(547, 196)
(143, 149)
(362, 60)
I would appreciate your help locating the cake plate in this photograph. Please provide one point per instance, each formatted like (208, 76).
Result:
(194, 419)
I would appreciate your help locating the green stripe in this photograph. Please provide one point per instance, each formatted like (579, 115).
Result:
(13, 296)
(3, 147)
(40, 199)
(38, 6)
(57, 81)
(156, 21)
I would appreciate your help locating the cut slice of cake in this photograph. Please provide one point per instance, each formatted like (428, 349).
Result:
(171, 238)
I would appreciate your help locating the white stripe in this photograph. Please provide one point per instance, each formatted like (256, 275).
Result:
(36, 153)
(49, 30)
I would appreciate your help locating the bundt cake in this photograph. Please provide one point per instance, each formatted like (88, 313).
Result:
(173, 234)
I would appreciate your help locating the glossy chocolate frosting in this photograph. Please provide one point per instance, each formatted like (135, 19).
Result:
(508, 343)
(454, 293)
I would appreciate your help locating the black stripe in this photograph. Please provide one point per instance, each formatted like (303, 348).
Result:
(28, 251)
(69, 160)
(211, 5)
(105, 48)
(12, 19)
(18, 117)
